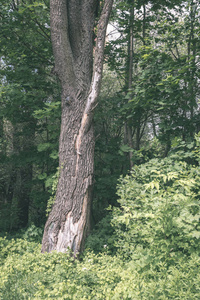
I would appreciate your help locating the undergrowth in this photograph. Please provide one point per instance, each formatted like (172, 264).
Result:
(147, 248)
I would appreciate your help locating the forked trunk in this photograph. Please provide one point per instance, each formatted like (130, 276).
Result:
(72, 32)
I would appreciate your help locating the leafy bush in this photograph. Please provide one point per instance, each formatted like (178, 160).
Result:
(32, 275)
(102, 238)
(147, 248)
(33, 234)
(159, 211)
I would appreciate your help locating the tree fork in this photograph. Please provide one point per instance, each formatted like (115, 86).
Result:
(72, 31)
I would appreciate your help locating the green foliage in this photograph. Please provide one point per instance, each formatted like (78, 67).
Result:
(157, 224)
(109, 165)
(147, 248)
(9, 216)
(102, 239)
(33, 234)
(160, 206)
(160, 89)
(29, 114)
(53, 182)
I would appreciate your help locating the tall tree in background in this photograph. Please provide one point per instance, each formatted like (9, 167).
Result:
(72, 31)
(160, 70)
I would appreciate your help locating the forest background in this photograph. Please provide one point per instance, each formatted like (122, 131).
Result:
(145, 241)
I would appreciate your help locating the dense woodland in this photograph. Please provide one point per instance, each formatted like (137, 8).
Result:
(145, 237)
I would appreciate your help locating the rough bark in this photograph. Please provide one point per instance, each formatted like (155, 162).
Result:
(72, 25)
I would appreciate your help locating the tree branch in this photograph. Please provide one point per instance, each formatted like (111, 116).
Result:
(60, 42)
(99, 55)
(97, 73)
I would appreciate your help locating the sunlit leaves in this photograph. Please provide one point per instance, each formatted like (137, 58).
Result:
(159, 208)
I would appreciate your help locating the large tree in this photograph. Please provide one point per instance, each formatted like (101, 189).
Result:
(72, 32)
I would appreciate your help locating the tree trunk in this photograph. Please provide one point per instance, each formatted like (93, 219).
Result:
(72, 28)
(69, 219)
(128, 128)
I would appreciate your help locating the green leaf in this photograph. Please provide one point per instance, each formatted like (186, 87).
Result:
(43, 147)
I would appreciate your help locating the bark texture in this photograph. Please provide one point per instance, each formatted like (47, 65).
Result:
(72, 31)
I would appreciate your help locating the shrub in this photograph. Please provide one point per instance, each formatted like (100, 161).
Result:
(159, 213)
(147, 248)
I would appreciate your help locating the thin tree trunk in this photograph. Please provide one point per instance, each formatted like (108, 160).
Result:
(128, 127)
